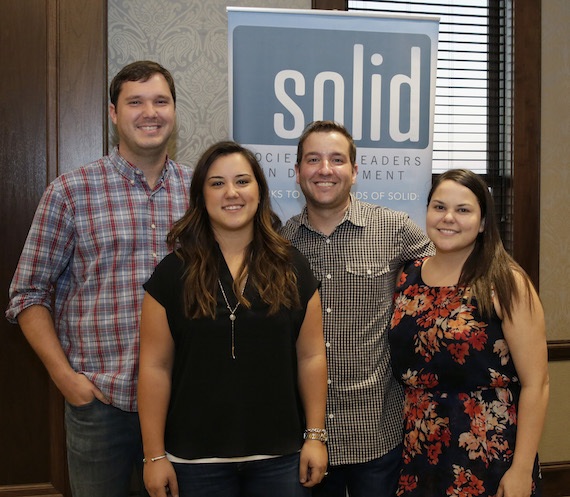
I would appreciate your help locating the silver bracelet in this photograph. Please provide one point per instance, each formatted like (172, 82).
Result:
(152, 459)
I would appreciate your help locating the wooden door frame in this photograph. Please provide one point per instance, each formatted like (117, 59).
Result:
(75, 117)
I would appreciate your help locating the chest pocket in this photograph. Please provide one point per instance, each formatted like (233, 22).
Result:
(367, 270)
(372, 281)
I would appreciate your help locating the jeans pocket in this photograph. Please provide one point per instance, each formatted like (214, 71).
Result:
(83, 407)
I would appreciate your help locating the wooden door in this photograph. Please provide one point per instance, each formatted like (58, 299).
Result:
(52, 119)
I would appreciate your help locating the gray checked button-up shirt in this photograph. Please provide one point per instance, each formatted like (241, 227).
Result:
(357, 266)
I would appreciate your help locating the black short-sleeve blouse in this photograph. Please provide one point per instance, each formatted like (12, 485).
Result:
(225, 407)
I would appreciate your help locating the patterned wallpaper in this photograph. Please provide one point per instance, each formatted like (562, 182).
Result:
(189, 38)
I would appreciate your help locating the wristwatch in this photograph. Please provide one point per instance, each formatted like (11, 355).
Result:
(319, 434)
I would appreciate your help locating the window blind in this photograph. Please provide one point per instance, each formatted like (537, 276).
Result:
(473, 103)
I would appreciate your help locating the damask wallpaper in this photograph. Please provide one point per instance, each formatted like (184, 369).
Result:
(189, 38)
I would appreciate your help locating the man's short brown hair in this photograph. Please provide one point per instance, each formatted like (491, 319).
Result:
(140, 70)
(326, 127)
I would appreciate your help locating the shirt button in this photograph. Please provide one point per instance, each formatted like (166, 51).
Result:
(329, 381)
(327, 345)
(331, 415)
(328, 240)
(154, 255)
(329, 276)
(132, 182)
(329, 310)
(368, 272)
(153, 226)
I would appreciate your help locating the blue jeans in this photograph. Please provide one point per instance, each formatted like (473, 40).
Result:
(376, 478)
(276, 477)
(104, 446)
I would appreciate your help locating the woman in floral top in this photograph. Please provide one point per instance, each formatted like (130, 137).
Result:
(468, 344)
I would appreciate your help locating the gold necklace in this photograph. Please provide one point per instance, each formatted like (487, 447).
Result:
(232, 313)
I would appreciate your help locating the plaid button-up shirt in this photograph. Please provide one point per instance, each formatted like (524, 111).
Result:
(97, 235)
(357, 266)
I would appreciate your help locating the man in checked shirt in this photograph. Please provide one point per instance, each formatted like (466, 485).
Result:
(96, 237)
(355, 250)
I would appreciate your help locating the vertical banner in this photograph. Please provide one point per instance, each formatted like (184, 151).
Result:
(374, 74)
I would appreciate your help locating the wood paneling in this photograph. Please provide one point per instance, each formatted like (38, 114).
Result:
(526, 138)
(52, 98)
(330, 4)
(559, 350)
(82, 84)
(556, 479)
(24, 173)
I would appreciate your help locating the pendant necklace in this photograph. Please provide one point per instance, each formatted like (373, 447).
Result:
(232, 313)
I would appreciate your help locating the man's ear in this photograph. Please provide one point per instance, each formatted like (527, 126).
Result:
(113, 113)
(354, 173)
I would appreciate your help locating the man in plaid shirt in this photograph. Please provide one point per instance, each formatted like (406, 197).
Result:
(97, 235)
(355, 250)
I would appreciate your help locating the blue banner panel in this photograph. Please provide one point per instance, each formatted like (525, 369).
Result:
(375, 75)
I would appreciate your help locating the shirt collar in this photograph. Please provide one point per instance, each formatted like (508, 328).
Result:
(352, 215)
(129, 171)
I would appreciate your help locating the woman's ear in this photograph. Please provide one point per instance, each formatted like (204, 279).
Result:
(482, 226)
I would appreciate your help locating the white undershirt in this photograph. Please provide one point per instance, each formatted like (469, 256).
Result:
(210, 460)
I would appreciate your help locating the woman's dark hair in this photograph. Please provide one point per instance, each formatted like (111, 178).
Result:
(489, 268)
(267, 263)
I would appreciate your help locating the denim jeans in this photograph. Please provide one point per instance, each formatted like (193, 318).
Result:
(275, 477)
(104, 446)
(376, 478)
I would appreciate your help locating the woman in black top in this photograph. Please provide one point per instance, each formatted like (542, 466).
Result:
(232, 361)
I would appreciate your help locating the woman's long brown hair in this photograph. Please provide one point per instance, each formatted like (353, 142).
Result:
(267, 263)
(489, 268)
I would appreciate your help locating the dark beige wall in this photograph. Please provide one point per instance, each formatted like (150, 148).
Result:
(555, 216)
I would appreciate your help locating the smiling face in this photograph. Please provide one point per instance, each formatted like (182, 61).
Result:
(145, 117)
(325, 172)
(453, 219)
(231, 195)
